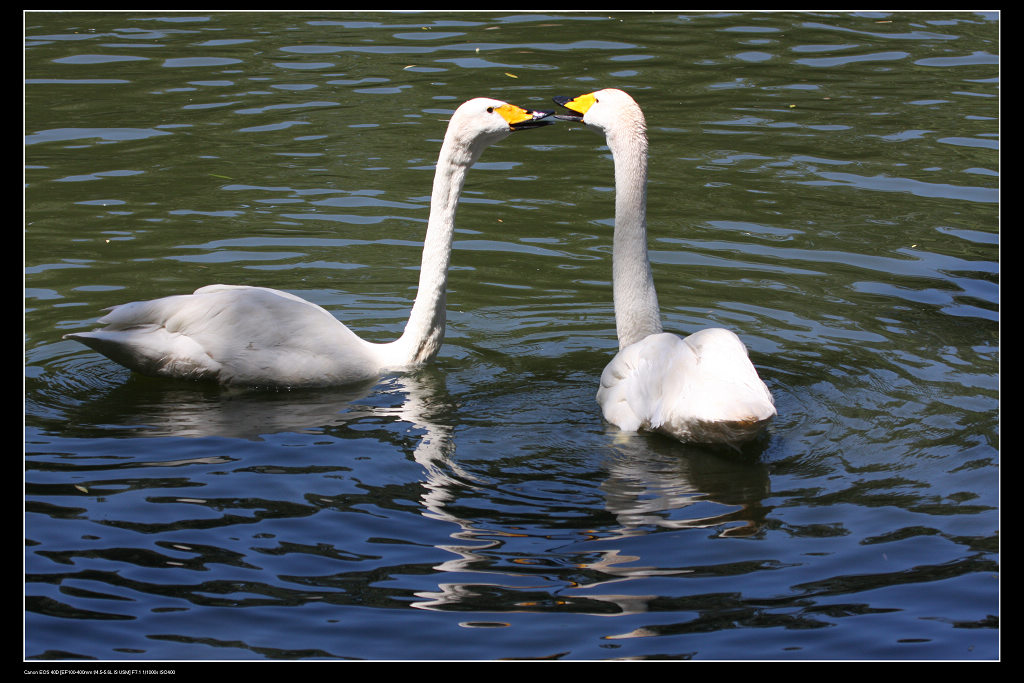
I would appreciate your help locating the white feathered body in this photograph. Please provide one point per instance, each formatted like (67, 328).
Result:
(234, 335)
(701, 388)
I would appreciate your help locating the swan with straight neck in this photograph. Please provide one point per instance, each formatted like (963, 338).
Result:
(701, 388)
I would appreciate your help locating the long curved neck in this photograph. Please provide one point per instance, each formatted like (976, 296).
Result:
(636, 301)
(424, 332)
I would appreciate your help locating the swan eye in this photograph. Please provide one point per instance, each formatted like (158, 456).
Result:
(490, 110)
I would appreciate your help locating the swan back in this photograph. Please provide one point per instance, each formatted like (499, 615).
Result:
(702, 388)
(234, 335)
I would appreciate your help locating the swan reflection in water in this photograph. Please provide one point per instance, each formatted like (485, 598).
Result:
(651, 484)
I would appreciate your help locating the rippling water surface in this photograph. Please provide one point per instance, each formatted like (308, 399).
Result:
(824, 184)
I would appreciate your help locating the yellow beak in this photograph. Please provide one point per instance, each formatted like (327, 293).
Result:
(580, 104)
(517, 117)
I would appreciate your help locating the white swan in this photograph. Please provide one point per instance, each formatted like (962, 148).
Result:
(702, 388)
(255, 336)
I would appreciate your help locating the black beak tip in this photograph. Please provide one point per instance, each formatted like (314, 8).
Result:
(568, 115)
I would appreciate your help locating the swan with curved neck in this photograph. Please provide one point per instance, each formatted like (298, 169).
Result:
(239, 335)
(701, 388)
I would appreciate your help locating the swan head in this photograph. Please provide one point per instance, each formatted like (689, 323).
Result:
(604, 110)
(482, 121)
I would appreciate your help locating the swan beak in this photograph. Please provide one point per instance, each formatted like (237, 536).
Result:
(577, 105)
(520, 119)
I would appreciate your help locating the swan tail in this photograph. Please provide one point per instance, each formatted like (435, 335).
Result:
(151, 350)
(701, 390)
(135, 335)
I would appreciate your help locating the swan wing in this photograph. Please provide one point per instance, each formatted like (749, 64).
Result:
(631, 395)
(234, 335)
(702, 388)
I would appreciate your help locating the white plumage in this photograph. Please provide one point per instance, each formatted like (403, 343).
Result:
(256, 336)
(701, 388)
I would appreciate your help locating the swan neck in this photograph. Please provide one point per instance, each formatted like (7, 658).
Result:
(636, 300)
(424, 332)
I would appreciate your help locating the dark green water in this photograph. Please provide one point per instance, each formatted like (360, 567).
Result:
(824, 184)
